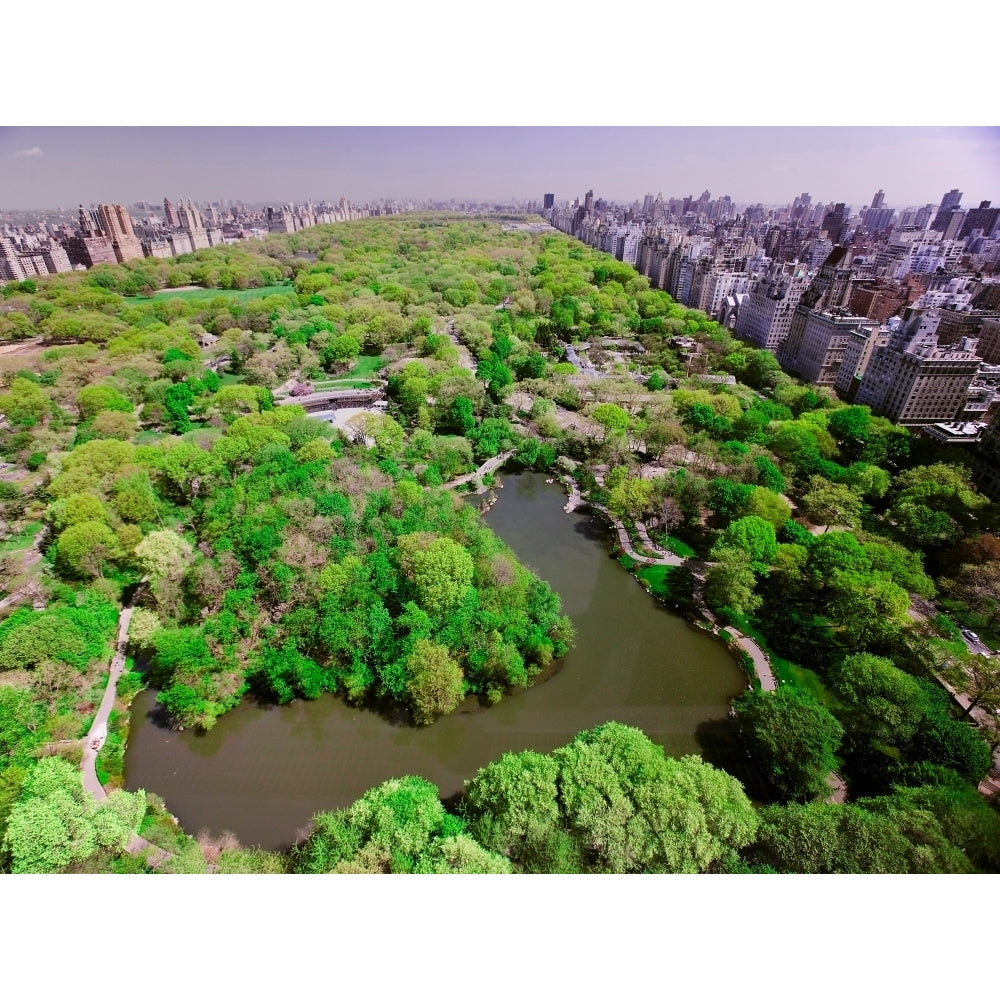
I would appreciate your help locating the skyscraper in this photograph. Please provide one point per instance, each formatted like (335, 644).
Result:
(171, 215)
(117, 224)
(878, 199)
(949, 204)
(549, 202)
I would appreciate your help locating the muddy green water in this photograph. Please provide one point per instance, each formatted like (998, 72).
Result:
(263, 771)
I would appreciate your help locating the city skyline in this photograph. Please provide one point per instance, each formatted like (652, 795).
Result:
(47, 167)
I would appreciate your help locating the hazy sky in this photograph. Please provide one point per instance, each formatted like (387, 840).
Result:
(47, 166)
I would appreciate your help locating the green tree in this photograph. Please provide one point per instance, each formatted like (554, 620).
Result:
(441, 573)
(163, 554)
(632, 808)
(85, 548)
(830, 503)
(56, 823)
(612, 418)
(792, 738)
(731, 582)
(754, 536)
(887, 703)
(435, 685)
(24, 404)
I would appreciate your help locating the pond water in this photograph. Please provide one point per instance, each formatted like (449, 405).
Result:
(263, 771)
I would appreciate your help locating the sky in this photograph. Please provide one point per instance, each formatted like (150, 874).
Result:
(46, 167)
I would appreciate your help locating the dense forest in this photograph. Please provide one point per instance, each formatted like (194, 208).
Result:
(158, 449)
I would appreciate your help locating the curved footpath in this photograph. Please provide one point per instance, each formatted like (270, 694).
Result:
(761, 663)
(99, 733)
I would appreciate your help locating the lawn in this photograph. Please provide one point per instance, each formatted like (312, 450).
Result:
(23, 538)
(367, 366)
(239, 294)
(342, 383)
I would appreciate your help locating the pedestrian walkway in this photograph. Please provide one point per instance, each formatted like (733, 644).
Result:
(98, 734)
(761, 663)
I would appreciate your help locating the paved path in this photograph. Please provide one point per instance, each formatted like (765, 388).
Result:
(761, 663)
(99, 733)
(490, 465)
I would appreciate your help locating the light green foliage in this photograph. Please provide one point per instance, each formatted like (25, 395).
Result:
(435, 682)
(632, 498)
(84, 549)
(819, 838)
(612, 418)
(767, 504)
(56, 823)
(870, 609)
(73, 635)
(610, 801)
(24, 404)
(830, 503)
(936, 504)
(92, 399)
(76, 509)
(441, 572)
(731, 582)
(754, 536)
(386, 830)
(514, 803)
(93, 465)
(637, 810)
(460, 855)
(141, 628)
(236, 400)
(163, 554)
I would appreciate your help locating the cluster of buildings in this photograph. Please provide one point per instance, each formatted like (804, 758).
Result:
(898, 310)
(49, 242)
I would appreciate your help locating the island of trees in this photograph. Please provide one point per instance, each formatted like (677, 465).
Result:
(159, 450)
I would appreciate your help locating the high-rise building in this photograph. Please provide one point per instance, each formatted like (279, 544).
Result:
(116, 224)
(765, 314)
(588, 202)
(170, 214)
(983, 218)
(549, 201)
(912, 380)
(11, 268)
(949, 203)
(819, 349)
(878, 199)
(835, 222)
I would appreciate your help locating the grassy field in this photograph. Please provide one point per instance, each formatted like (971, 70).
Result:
(366, 367)
(342, 383)
(238, 294)
(23, 538)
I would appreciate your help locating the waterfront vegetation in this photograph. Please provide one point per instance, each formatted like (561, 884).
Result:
(155, 433)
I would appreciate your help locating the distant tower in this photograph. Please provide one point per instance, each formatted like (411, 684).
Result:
(949, 205)
(168, 211)
(588, 201)
(879, 199)
(549, 202)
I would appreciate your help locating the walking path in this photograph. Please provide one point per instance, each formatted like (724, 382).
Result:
(99, 733)
(761, 663)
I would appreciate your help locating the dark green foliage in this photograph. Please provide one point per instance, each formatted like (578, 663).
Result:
(727, 498)
(949, 742)
(791, 738)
